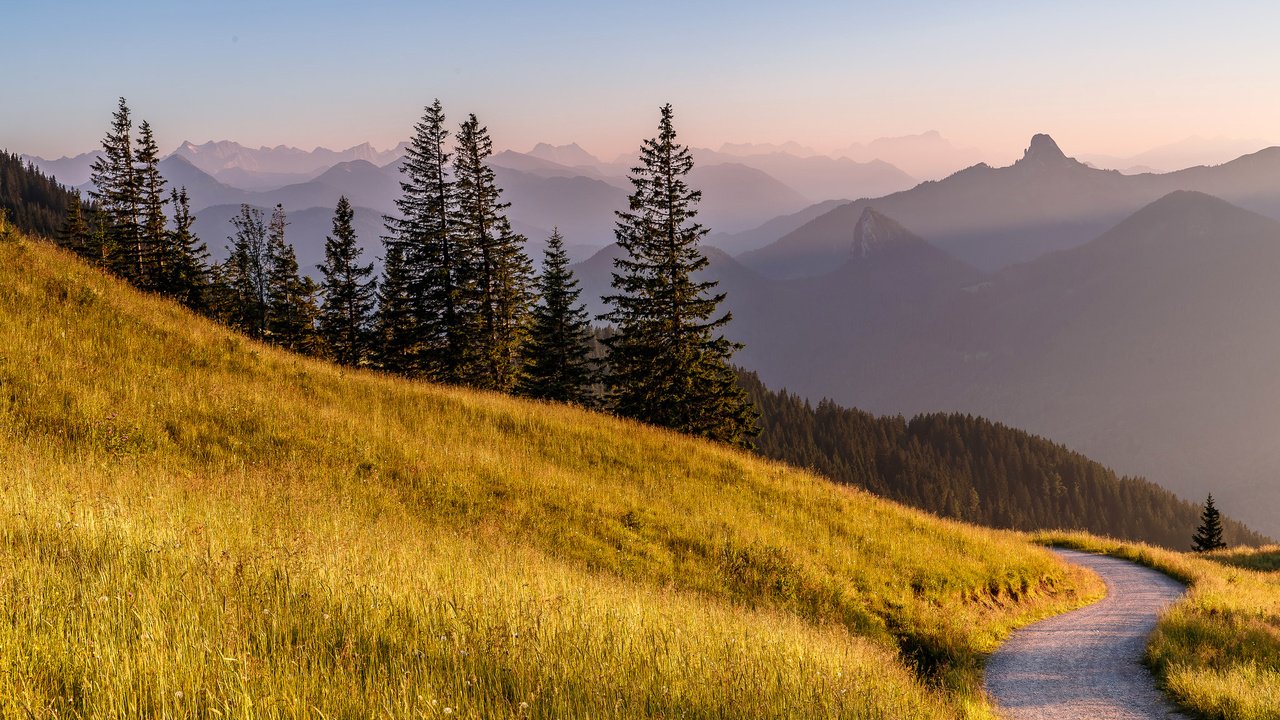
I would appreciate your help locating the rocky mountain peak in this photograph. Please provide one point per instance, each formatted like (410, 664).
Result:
(875, 233)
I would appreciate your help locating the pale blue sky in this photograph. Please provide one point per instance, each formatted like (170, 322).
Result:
(1111, 77)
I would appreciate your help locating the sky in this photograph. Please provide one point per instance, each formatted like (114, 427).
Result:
(1101, 77)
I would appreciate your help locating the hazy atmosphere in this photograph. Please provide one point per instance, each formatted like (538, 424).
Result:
(721, 361)
(1105, 78)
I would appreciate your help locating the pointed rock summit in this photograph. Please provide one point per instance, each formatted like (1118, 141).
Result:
(1043, 151)
(875, 233)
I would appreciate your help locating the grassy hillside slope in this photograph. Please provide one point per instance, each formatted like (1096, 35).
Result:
(195, 525)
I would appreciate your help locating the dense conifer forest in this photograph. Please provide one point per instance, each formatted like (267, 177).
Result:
(34, 202)
(972, 469)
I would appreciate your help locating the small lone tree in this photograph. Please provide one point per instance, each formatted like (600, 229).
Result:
(1209, 535)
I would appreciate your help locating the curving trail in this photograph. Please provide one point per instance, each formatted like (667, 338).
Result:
(1086, 664)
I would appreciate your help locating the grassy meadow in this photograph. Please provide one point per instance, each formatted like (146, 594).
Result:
(196, 525)
(1217, 652)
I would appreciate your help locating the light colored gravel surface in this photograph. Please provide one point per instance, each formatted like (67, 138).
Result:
(1086, 664)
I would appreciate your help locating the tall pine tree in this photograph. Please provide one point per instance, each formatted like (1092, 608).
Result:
(1209, 535)
(499, 270)
(668, 364)
(558, 366)
(116, 194)
(348, 288)
(422, 251)
(150, 256)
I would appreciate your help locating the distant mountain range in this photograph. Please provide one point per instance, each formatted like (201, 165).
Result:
(927, 156)
(996, 217)
(70, 171)
(1189, 152)
(218, 157)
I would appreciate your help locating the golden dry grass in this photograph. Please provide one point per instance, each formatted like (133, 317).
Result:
(195, 525)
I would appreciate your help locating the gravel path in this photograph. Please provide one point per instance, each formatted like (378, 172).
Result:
(1086, 664)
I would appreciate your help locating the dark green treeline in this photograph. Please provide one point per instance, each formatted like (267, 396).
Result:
(971, 469)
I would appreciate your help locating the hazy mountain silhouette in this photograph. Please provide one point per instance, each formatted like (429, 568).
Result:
(581, 207)
(738, 197)
(995, 217)
(542, 167)
(747, 149)
(571, 155)
(362, 182)
(202, 189)
(819, 177)
(1189, 152)
(70, 171)
(1151, 347)
(216, 157)
(927, 156)
(767, 232)
(544, 194)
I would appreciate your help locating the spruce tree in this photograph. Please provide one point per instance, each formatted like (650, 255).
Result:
(291, 298)
(395, 326)
(244, 274)
(115, 192)
(668, 364)
(498, 272)
(150, 256)
(184, 259)
(557, 355)
(1209, 534)
(429, 264)
(75, 235)
(348, 289)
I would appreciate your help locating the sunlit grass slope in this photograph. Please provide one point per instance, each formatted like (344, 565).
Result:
(1218, 651)
(195, 525)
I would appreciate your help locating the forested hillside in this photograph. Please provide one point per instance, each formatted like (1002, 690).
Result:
(969, 468)
(34, 202)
